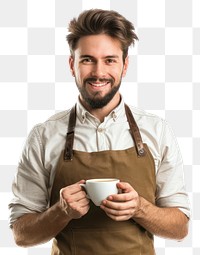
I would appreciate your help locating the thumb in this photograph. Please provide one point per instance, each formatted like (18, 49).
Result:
(125, 187)
(81, 182)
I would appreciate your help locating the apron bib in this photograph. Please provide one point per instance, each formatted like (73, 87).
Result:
(95, 233)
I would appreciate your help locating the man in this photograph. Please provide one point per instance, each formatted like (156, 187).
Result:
(105, 138)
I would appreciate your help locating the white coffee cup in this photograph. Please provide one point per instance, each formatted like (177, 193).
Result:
(99, 189)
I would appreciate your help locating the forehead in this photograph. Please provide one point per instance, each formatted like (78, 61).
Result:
(96, 45)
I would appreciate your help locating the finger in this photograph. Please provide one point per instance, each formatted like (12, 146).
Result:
(119, 218)
(119, 212)
(78, 205)
(72, 193)
(71, 189)
(81, 182)
(119, 215)
(76, 197)
(77, 210)
(79, 195)
(123, 197)
(119, 206)
(125, 187)
(83, 202)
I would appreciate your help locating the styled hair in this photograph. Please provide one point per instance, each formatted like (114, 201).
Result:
(97, 21)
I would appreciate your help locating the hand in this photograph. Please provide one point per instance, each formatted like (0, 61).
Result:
(74, 201)
(122, 206)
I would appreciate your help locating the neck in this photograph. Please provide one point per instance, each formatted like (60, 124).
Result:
(101, 113)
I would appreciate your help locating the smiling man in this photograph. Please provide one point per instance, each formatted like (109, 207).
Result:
(100, 137)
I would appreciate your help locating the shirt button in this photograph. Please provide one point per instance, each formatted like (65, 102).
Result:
(83, 118)
(100, 130)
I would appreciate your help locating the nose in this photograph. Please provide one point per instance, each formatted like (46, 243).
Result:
(98, 70)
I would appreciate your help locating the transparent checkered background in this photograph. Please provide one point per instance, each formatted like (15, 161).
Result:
(163, 78)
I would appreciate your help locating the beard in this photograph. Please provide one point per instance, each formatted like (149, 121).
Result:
(96, 102)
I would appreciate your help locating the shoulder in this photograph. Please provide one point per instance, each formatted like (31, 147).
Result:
(54, 126)
(155, 131)
(58, 117)
(56, 120)
(145, 118)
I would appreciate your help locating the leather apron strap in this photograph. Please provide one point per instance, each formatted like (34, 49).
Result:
(68, 155)
(135, 133)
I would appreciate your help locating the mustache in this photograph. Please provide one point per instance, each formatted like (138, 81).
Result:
(92, 79)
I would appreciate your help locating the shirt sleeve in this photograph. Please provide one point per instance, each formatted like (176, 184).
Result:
(30, 185)
(171, 190)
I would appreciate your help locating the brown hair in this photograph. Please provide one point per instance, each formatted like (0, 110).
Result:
(97, 21)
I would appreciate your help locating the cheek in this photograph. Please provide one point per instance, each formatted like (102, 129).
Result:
(119, 73)
(78, 73)
(83, 73)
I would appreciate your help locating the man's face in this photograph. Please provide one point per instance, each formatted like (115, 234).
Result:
(98, 68)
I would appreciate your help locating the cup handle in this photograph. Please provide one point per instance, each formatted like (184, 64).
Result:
(84, 187)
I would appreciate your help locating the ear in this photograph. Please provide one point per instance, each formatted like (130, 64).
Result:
(71, 65)
(125, 67)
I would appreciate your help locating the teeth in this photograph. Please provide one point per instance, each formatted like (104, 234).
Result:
(98, 84)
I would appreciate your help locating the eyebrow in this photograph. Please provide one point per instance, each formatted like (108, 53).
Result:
(89, 56)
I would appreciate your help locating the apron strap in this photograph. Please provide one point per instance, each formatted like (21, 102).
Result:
(135, 133)
(68, 154)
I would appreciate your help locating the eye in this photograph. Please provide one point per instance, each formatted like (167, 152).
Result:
(86, 60)
(110, 60)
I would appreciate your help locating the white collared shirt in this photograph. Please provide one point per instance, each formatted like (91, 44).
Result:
(37, 166)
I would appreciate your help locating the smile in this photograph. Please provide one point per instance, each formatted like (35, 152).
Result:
(99, 84)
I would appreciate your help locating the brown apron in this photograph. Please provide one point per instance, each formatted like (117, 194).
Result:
(95, 233)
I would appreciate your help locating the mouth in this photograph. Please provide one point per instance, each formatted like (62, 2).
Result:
(99, 84)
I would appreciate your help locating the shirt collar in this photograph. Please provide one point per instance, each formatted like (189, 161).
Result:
(83, 114)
